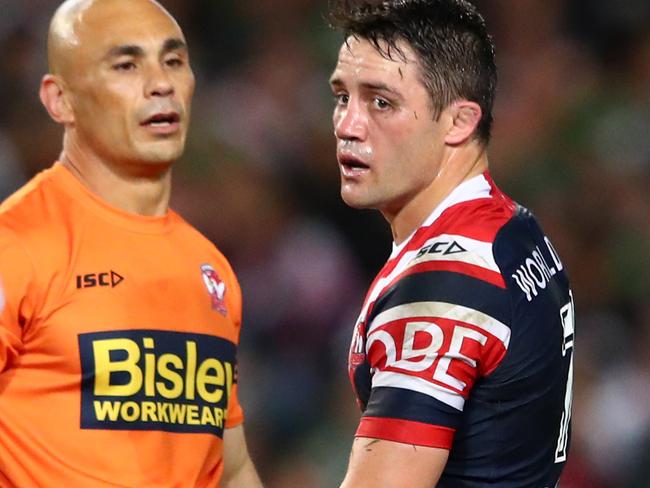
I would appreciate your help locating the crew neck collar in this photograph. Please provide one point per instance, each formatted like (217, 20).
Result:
(476, 187)
(144, 224)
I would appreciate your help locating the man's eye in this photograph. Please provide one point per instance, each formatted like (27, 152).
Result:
(341, 98)
(174, 62)
(381, 104)
(125, 66)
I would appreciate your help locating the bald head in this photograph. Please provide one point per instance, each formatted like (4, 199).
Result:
(76, 20)
(120, 83)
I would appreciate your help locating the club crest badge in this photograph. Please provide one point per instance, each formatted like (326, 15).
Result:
(216, 288)
(358, 347)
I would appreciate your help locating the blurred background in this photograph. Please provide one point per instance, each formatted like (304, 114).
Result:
(259, 178)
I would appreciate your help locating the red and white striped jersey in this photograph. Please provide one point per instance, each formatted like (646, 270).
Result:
(465, 342)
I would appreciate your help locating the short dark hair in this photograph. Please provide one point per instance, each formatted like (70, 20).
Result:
(455, 51)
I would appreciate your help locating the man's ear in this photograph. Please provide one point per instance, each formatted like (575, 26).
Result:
(465, 117)
(55, 101)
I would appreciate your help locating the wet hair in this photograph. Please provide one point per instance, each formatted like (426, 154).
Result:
(449, 38)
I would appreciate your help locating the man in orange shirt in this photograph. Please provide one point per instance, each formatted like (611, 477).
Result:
(119, 322)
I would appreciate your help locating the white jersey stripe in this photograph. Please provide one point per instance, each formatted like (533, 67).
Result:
(444, 310)
(414, 383)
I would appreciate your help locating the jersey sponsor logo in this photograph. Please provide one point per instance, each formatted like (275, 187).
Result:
(156, 380)
(216, 288)
(91, 280)
(434, 348)
(535, 273)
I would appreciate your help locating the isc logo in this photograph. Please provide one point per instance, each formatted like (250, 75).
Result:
(441, 247)
(92, 280)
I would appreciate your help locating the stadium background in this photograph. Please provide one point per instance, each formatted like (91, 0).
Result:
(259, 178)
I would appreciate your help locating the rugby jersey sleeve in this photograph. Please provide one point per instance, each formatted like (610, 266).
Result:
(439, 328)
(16, 275)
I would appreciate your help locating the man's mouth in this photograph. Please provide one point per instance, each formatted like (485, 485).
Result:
(352, 166)
(163, 119)
(163, 123)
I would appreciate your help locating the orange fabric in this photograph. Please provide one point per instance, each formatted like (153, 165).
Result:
(117, 344)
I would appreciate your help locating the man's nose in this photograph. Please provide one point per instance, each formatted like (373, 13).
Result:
(158, 84)
(350, 123)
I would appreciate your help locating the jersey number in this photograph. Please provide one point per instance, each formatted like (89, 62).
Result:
(567, 317)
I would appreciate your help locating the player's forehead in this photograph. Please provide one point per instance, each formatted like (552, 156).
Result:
(109, 23)
(359, 61)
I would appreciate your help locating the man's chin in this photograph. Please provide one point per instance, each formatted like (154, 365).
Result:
(162, 154)
(355, 201)
(152, 164)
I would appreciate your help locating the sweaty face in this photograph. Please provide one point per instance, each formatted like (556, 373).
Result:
(388, 143)
(130, 83)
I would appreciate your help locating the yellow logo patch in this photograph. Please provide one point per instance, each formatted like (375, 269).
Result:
(156, 380)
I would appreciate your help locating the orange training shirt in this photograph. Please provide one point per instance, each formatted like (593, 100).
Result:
(118, 338)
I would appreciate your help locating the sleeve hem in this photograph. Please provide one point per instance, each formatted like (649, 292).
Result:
(406, 432)
(235, 422)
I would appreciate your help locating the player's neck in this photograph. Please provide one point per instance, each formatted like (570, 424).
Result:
(458, 165)
(141, 193)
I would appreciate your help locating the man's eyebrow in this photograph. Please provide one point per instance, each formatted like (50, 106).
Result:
(368, 85)
(336, 81)
(174, 44)
(126, 50)
(134, 50)
(379, 86)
